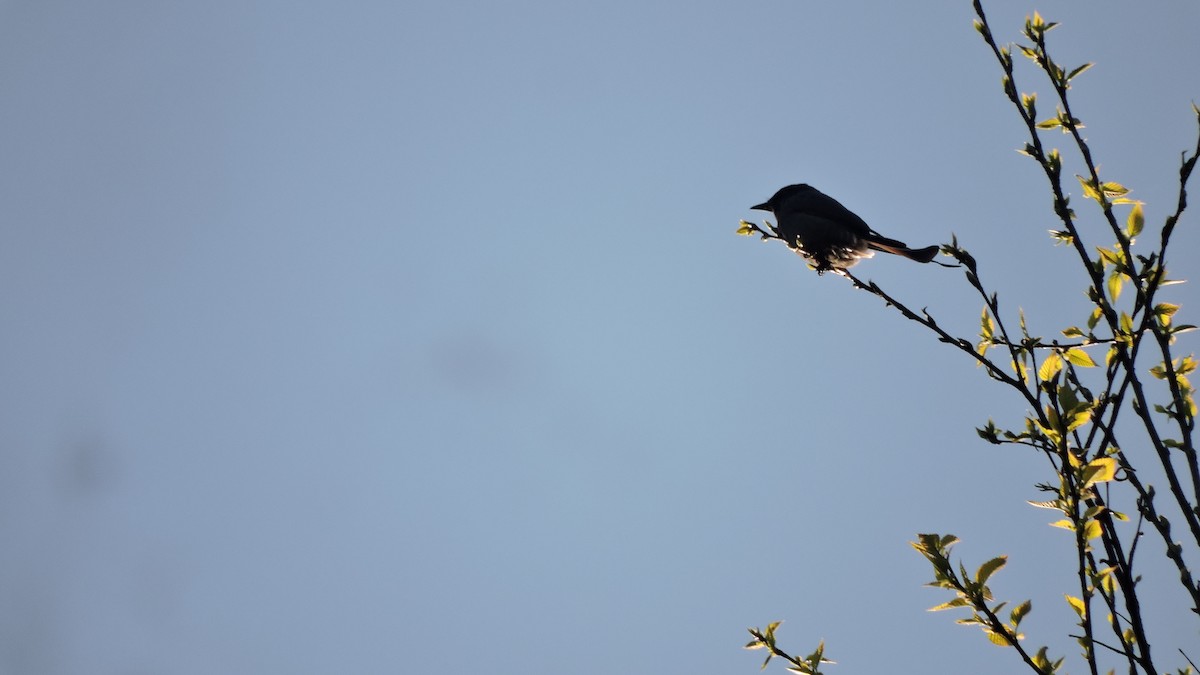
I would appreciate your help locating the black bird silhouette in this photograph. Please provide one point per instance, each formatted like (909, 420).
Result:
(827, 234)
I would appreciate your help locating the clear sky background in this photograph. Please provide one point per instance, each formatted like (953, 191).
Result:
(414, 337)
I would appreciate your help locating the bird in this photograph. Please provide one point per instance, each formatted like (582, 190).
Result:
(828, 235)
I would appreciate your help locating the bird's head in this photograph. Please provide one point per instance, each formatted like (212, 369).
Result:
(782, 196)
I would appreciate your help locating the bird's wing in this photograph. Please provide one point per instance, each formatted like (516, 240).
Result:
(824, 206)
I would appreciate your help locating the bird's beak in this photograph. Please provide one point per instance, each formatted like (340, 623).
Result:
(765, 206)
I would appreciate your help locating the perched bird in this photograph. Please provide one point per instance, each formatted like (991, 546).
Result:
(827, 234)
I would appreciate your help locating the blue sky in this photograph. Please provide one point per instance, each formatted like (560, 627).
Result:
(414, 337)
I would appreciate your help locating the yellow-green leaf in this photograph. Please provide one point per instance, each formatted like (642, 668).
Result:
(1020, 369)
(1137, 219)
(1050, 366)
(1112, 189)
(1106, 580)
(1020, 612)
(986, 327)
(1091, 530)
(1079, 358)
(1116, 281)
(1089, 188)
(998, 638)
(1079, 70)
(987, 569)
(1078, 418)
(955, 603)
(1164, 311)
(1064, 524)
(1099, 470)
(1073, 460)
(1109, 256)
(745, 229)
(1077, 605)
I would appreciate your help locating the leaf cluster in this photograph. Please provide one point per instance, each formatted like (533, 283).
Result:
(808, 665)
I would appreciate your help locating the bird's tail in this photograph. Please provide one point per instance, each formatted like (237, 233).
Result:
(886, 245)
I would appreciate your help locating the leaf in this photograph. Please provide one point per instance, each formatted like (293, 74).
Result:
(986, 327)
(1029, 102)
(1079, 70)
(1020, 612)
(1112, 189)
(1062, 237)
(1126, 324)
(1054, 159)
(1080, 358)
(1100, 470)
(953, 604)
(1091, 530)
(1050, 366)
(1164, 311)
(1019, 367)
(745, 229)
(1116, 281)
(1051, 123)
(989, 568)
(1051, 431)
(1077, 605)
(1078, 418)
(1064, 524)
(998, 638)
(1089, 188)
(1136, 220)
(1067, 399)
(1109, 256)
(1073, 460)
